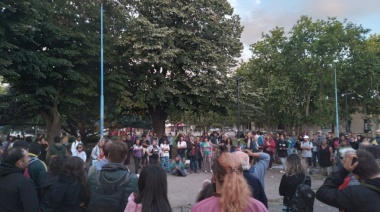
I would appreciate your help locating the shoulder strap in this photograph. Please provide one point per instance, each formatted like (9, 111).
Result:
(371, 187)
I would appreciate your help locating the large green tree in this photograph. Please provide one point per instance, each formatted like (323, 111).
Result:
(179, 53)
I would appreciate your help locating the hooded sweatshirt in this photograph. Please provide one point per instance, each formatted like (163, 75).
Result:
(18, 193)
(56, 149)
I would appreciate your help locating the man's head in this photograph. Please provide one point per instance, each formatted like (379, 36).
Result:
(367, 166)
(117, 151)
(129, 137)
(244, 160)
(35, 148)
(306, 138)
(21, 144)
(17, 157)
(154, 142)
(57, 139)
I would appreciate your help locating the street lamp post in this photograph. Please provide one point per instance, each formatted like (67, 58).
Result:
(336, 103)
(101, 74)
(347, 125)
(238, 80)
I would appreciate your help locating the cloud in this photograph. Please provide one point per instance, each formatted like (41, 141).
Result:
(259, 17)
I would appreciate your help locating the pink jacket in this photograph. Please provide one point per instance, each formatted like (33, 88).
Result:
(132, 206)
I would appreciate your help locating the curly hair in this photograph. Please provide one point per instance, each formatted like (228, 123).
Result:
(234, 191)
(74, 166)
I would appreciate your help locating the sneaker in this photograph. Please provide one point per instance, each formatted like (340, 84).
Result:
(282, 172)
(138, 175)
(211, 171)
(205, 171)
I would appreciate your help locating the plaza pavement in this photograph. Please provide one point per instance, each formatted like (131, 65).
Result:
(183, 191)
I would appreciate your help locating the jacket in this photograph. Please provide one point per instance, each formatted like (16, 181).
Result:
(288, 186)
(36, 169)
(359, 198)
(17, 193)
(67, 194)
(113, 171)
(95, 153)
(257, 188)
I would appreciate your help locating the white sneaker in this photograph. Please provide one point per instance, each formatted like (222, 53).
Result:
(205, 171)
(211, 171)
(138, 175)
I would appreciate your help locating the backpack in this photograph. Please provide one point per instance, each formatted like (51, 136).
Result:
(109, 195)
(303, 198)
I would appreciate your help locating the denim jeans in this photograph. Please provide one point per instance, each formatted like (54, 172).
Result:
(193, 163)
(165, 162)
(283, 161)
(314, 158)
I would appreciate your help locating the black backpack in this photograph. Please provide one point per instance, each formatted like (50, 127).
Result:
(109, 195)
(303, 199)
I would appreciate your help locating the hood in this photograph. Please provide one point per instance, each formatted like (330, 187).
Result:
(59, 146)
(6, 169)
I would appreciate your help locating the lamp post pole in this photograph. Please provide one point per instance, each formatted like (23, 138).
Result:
(347, 125)
(101, 74)
(238, 80)
(336, 104)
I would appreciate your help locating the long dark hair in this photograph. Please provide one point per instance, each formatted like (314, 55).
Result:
(74, 166)
(153, 187)
(57, 164)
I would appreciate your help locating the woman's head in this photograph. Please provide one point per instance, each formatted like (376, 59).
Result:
(80, 147)
(100, 143)
(230, 183)
(57, 164)
(294, 165)
(324, 142)
(153, 187)
(74, 166)
(229, 141)
(137, 142)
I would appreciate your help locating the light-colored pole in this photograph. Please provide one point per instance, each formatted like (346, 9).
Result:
(101, 74)
(336, 105)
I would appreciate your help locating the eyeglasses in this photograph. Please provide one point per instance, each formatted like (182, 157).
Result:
(79, 147)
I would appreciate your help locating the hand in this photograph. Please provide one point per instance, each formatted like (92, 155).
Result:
(347, 162)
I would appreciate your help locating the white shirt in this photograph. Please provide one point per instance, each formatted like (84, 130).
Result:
(165, 150)
(81, 155)
(182, 145)
(306, 153)
(74, 146)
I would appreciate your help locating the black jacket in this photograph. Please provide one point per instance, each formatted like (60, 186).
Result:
(357, 198)
(67, 194)
(289, 185)
(17, 193)
(282, 148)
(257, 188)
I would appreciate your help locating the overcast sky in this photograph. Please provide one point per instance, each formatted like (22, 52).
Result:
(258, 16)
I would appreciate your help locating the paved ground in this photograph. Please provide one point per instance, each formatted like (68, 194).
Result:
(183, 191)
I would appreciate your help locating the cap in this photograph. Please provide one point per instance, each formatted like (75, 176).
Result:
(319, 131)
(306, 136)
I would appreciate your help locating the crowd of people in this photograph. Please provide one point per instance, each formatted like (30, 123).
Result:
(36, 176)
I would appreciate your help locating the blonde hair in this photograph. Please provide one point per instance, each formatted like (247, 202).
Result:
(234, 191)
(294, 165)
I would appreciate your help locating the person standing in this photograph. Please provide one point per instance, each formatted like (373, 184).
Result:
(165, 149)
(193, 152)
(282, 151)
(182, 146)
(153, 196)
(306, 154)
(269, 146)
(325, 158)
(206, 151)
(129, 143)
(80, 152)
(145, 143)
(154, 152)
(137, 155)
(44, 149)
(295, 174)
(17, 193)
(232, 192)
(75, 144)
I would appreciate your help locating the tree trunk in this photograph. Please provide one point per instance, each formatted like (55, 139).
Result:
(53, 123)
(159, 117)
